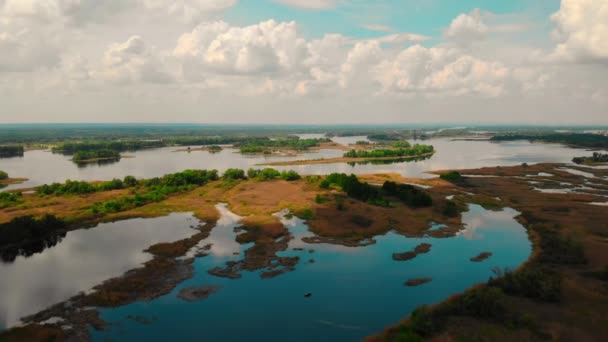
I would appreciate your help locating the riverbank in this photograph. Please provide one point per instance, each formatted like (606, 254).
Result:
(547, 296)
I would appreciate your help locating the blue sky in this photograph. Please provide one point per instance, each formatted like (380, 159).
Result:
(423, 17)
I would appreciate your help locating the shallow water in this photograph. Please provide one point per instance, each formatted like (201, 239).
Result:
(81, 260)
(355, 291)
(44, 167)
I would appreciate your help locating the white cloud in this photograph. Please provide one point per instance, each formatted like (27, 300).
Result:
(132, 61)
(268, 47)
(467, 27)
(582, 30)
(439, 70)
(310, 4)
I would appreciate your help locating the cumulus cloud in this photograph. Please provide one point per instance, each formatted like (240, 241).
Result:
(267, 47)
(467, 28)
(418, 69)
(581, 30)
(132, 61)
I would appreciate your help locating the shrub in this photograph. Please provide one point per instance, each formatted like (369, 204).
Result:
(532, 282)
(290, 175)
(451, 176)
(232, 174)
(410, 195)
(130, 181)
(450, 209)
(3, 175)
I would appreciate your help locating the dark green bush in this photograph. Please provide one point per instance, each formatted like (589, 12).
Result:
(532, 282)
(408, 194)
(451, 176)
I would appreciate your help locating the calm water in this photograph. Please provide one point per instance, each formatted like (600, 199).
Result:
(83, 259)
(44, 167)
(355, 291)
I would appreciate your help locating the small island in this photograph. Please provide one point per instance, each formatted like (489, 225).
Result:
(481, 257)
(192, 294)
(417, 281)
(83, 157)
(6, 180)
(420, 249)
(404, 152)
(594, 160)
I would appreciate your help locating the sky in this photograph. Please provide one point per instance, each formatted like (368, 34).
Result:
(304, 61)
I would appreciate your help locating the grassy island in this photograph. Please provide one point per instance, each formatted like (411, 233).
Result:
(361, 156)
(596, 159)
(268, 146)
(95, 155)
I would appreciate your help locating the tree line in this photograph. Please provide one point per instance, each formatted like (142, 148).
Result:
(353, 187)
(8, 151)
(400, 152)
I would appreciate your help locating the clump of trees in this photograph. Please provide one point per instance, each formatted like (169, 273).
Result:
(408, 194)
(270, 173)
(232, 174)
(354, 188)
(451, 176)
(84, 156)
(3, 175)
(401, 144)
(70, 148)
(400, 152)
(532, 282)
(8, 151)
(261, 146)
(8, 199)
(28, 227)
(596, 158)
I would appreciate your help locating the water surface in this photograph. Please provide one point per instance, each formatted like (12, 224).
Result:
(81, 260)
(44, 167)
(355, 291)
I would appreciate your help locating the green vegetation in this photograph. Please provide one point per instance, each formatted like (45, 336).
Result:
(572, 139)
(3, 175)
(156, 189)
(354, 188)
(84, 156)
(401, 144)
(381, 153)
(408, 194)
(451, 209)
(362, 143)
(8, 151)
(386, 137)
(71, 148)
(8, 199)
(269, 173)
(532, 282)
(264, 145)
(232, 174)
(215, 148)
(596, 158)
(26, 228)
(451, 176)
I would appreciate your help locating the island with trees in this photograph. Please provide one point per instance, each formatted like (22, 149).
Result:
(594, 160)
(414, 152)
